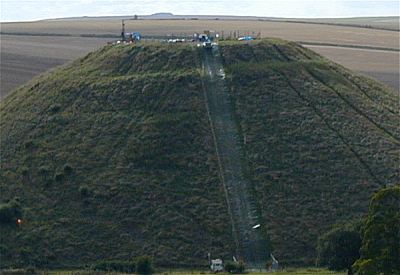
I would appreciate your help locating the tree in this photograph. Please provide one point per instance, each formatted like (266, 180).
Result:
(380, 250)
(339, 248)
(234, 267)
(143, 265)
(10, 211)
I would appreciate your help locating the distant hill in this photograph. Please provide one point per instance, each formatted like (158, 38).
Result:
(160, 15)
(112, 156)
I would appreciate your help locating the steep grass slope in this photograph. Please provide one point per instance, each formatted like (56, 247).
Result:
(112, 157)
(318, 140)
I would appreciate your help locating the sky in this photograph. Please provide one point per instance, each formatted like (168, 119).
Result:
(28, 10)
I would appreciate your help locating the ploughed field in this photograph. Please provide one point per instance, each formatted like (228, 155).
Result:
(377, 64)
(24, 57)
(112, 156)
(30, 48)
(285, 30)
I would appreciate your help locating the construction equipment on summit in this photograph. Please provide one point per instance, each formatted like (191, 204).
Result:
(129, 37)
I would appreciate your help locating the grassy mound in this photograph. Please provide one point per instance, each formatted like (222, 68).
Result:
(318, 140)
(110, 158)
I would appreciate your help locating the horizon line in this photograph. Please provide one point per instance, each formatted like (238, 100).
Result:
(193, 15)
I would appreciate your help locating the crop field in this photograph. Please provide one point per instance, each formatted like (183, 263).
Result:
(389, 23)
(284, 30)
(381, 65)
(35, 47)
(23, 57)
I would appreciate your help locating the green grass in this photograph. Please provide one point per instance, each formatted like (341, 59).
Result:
(318, 140)
(112, 157)
(143, 175)
(296, 271)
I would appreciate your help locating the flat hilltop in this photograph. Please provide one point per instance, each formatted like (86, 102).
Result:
(115, 155)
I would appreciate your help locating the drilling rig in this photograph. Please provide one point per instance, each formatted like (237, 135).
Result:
(123, 30)
(132, 37)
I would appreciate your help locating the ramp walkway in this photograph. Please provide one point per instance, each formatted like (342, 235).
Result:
(249, 242)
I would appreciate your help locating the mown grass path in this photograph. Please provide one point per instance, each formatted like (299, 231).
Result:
(250, 246)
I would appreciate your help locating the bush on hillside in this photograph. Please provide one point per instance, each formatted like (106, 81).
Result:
(380, 250)
(25, 171)
(143, 265)
(54, 108)
(44, 170)
(59, 176)
(117, 266)
(68, 169)
(84, 190)
(339, 248)
(10, 211)
(234, 267)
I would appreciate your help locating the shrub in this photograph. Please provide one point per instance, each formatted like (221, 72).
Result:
(29, 144)
(44, 170)
(143, 265)
(10, 211)
(241, 267)
(366, 267)
(68, 169)
(230, 267)
(84, 191)
(117, 266)
(234, 267)
(30, 271)
(4, 251)
(339, 248)
(58, 176)
(55, 108)
(25, 171)
(380, 248)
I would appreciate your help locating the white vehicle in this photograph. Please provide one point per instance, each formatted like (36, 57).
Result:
(216, 265)
(207, 45)
(221, 73)
(176, 40)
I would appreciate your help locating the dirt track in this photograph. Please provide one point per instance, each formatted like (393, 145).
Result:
(250, 245)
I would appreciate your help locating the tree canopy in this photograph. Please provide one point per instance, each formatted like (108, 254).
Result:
(339, 248)
(380, 251)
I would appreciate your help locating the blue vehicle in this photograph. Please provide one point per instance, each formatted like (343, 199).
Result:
(133, 37)
(136, 36)
(246, 38)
